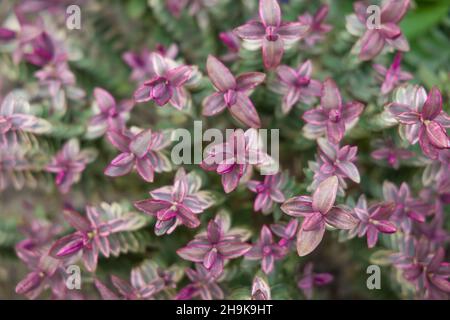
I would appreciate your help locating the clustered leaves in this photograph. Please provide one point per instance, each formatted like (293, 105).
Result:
(338, 150)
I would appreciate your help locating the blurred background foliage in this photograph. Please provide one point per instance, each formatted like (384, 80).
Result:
(111, 27)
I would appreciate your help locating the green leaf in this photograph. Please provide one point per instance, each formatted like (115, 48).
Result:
(424, 18)
(136, 8)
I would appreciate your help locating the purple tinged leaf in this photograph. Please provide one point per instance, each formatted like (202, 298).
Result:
(230, 97)
(232, 250)
(352, 110)
(428, 148)
(253, 30)
(24, 122)
(230, 180)
(270, 12)
(390, 30)
(325, 195)
(330, 150)
(408, 118)
(187, 217)
(262, 202)
(400, 43)
(371, 45)
(224, 168)
(132, 59)
(255, 253)
(143, 94)
(433, 105)
(277, 196)
(32, 281)
(313, 221)
(244, 111)
(291, 228)
(412, 273)
(321, 13)
(210, 258)
(122, 286)
(158, 63)
(340, 219)
(103, 245)
(230, 40)
(292, 30)
(220, 75)
(194, 252)
(118, 170)
(180, 189)
(104, 99)
(437, 135)
(441, 282)
(266, 235)
(179, 75)
(403, 113)
(104, 291)
(213, 104)
(71, 149)
(141, 143)
(436, 260)
(314, 88)
(118, 140)
(310, 279)
(179, 98)
(331, 97)
(350, 170)
(335, 131)
(167, 214)
(290, 99)
(151, 206)
(307, 241)
(214, 232)
(260, 289)
(67, 246)
(305, 69)
(394, 10)
(90, 258)
(163, 92)
(298, 206)
(287, 74)
(76, 220)
(386, 227)
(323, 279)
(372, 236)
(347, 153)
(444, 119)
(145, 169)
(272, 52)
(315, 116)
(249, 80)
(7, 34)
(268, 263)
(123, 160)
(380, 69)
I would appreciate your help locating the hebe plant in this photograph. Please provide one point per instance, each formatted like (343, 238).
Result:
(93, 94)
